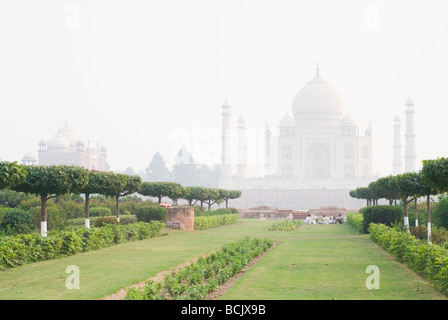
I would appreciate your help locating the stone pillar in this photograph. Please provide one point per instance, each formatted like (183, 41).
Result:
(182, 216)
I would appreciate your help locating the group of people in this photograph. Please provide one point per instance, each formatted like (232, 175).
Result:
(324, 220)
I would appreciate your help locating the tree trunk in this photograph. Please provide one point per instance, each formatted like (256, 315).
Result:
(160, 199)
(202, 205)
(416, 212)
(428, 212)
(43, 211)
(118, 211)
(406, 218)
(227, 203)
(86, 211)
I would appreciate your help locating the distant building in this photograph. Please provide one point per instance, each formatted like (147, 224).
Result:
(66, 148)
(317, 156)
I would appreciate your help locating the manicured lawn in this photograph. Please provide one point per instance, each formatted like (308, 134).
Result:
(313, 262)
(329, 262)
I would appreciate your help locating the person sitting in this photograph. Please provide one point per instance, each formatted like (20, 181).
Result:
(324, 220)
(332, 220)
(340, 219)
(308, 219)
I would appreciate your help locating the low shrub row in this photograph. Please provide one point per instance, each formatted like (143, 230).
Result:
(197, 280)
(205, 222)
(388, 215)
(80, 222)
(355, 219)
(285, 225)
(198, 212)
(27, 248)
(429, 260)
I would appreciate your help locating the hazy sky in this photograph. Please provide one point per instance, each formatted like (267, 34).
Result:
(147, 76)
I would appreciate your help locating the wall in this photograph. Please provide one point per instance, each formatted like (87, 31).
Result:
(181, 214)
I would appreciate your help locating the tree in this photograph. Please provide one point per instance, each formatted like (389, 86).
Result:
(385, 188)
(97, 184)
(159, 190)
(227, 195)
(408, 187)
(157, 170)
(365, 193)
(435, 175)
(51, 181)
(212, 196)
(131, 185)
(11, 173)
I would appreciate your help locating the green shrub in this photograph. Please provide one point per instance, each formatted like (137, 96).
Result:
(27, 248)
(150, 212)
(102, 221)
(429, 260)
(205, 222)
(286, 225)
(197, 280)
(100, 212)
(387, 215)
(16, 221)
(355, 219)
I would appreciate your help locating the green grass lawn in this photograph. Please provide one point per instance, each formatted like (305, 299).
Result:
(312, 262)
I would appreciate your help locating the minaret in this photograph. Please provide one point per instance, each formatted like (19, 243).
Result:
(397, 165)
(242, 149)
(409, 152)
(227, 157)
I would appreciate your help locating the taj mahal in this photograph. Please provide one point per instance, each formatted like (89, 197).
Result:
(313, 159)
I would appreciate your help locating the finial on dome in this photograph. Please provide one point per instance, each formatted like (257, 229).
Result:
(317, 68)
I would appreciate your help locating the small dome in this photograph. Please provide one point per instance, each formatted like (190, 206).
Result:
(409, 102)
(348, 121)
(70, 134)
(287, 121)
(80, 143)
(397, 117)
(29, 157)
(59, 142)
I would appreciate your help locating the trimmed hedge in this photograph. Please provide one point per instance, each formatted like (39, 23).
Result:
(99, 212)
(147, 213)
(387, 215)
(285, 225)
(205, 222)
(16, 221)
(23, 249)
(429, 260)
(355, 219)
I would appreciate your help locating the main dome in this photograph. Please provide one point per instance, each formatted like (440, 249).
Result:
(317, 100)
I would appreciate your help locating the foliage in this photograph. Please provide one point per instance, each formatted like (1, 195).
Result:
(429, 260)
(23, 249)
(150, 212)
(16, 221)
(11, 198)
(440, 213)
(100, 212)
(385, 188)
(286, 225)
(11, 174)
(159, 190)
(387, 215)
(205, 222)
(435, 173)
(356, 220)
(102, 221)
(197, 280)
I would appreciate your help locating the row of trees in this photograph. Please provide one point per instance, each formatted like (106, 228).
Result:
(51, 181)
(409, 187)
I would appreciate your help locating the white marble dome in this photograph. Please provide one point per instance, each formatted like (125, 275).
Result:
(59, 142)
(317, 99)
(68, 133)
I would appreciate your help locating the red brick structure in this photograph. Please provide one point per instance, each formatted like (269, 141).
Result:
(181, 217)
